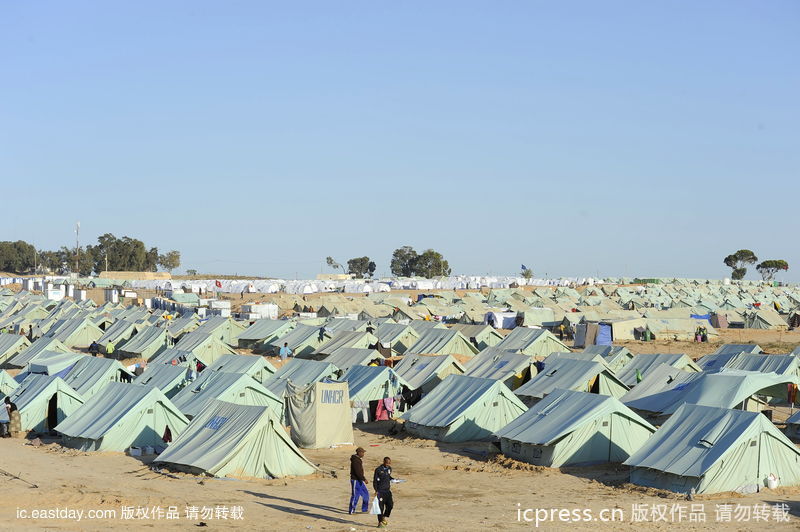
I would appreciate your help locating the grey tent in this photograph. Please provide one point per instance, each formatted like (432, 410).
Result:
(206, 347)
(21, 359)
(616, 357)
(570, 374)
(11, 344)
(300, 373)
(462, 409)
(372, 383)
(345, 358)
(534, 342)
(7, 383)
(735, 349)
(640, 365)
(121, 416)
(89, 375)
(236, 388)
(423, 372)
(255, 366)
(319, 414)
(793, 426)
(147, 343)
(574, 428)
(726, 389)
(715, 450)
(442, 342)
(168, 379)
(510, 368)
(262, 332)
(43, 402)
(230, 440)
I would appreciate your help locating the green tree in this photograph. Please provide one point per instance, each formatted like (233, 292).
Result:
(361, 267)
(769, 268)
(403, 262)
(16, 257)
(191, 272)
(431, 264)
(527, 273)
(738, 263)
(170, 260)
(333, 264)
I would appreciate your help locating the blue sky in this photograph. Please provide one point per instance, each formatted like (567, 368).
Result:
(578, 138)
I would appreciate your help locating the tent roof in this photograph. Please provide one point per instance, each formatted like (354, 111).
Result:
(359, 378)
(300, 372)
(496, 364)
(419, 369)
(88, 371)
(696, 437)
(645, 362)
(163, 376)
(435, 341)
(564, 373)
(263, 329)
(562, 412)
(209, 386)
(240, 364)
(108, 407)
(456, 396)
(725, 389)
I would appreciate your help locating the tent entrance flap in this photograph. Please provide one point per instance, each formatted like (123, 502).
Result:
(52, 412)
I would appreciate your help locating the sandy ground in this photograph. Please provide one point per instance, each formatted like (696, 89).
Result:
(448, 487)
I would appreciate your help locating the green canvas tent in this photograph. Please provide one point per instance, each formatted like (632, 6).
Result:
(226, 330)
(463, 409)
(345, 358)
(262, 332)
(118, 333)
(230, 440)
(396, 336)
(43, 402)
(481, 336)
(569, 428)
(342, 340)
(638, 367)
(492, 363)
(7, 384)
(726, 389)
(793, 426)
(570, 374)
(168, 379)
(371, 383)
(302, 340)
(21, 359)
(52, 363)
(205, 347)
(319, 414)
(442, 342)
(237, 388)
(146, 344)
(615, 357)
(253, 365)
(533, 342)
(11, 344)
(89, 375)
(121, 416)
(425, 372)
(300, 372)
(77, 333)
(735, 349)
(715, 450)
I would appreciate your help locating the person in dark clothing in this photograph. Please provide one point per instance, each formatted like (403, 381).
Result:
(94, 349)
(382, 482)
(358, 482)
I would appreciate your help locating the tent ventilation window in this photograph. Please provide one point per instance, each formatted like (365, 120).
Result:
(241, 394)
(605, 423)
(495, 403)
(753, 443)
(149, 410)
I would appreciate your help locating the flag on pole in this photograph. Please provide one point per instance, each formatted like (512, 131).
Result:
(524, 267)
(219, 284)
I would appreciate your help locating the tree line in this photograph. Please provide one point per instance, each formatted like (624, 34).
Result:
(109, 254)
(406, 262)
(739, 261)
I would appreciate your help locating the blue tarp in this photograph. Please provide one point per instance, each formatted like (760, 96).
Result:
(603, 334)
(706, 317)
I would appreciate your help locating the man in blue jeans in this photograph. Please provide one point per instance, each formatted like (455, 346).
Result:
(358, 482)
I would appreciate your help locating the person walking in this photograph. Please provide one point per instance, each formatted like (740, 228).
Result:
(358, 482)
(94, 349)
(285, 352)
(382, 482)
